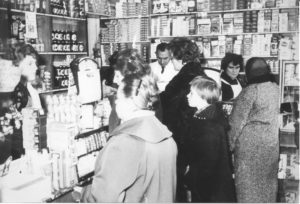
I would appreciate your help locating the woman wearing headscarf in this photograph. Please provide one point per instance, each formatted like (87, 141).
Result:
(254, 135)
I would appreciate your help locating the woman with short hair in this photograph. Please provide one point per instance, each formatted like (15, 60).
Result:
(232, 84)
(176, 111)
(138, 164)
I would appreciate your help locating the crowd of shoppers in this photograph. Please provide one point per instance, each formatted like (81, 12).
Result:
(207, 141)
(170, 140)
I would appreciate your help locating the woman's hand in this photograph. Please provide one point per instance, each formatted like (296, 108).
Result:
(108, 90)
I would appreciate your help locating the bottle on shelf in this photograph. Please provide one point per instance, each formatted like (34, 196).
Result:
(13, 4)
(20, 4)
(32, 6)
(26, 5)
(38, 6)
(21, 31)
(15, 27)
(80, 46)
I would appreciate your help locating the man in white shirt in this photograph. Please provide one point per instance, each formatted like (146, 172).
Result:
(163, 69)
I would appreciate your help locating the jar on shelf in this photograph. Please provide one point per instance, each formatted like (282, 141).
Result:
(80, 46)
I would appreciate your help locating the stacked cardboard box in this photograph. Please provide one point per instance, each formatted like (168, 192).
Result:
(228, 5)
(293, 16)
(227, 23)
(178, 6)
(216, 23)
(275, 20)
(247, 45)
(202, 5)
(216, 5)
(203, 25)
(238, 22)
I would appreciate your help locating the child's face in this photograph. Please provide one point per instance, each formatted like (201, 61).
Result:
(195, 100)
(28, 67)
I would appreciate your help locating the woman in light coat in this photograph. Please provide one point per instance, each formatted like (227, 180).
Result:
(254, 135)
(138, 164)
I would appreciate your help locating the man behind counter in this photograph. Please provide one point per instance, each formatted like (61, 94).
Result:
(163, 70)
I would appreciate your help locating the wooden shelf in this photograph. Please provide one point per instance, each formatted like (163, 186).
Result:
(125, 42)
(90, 152)
(224, 11)
(93, 14)
(91, 131)
(53, 90)
(125, 17)
(58, 195)
(63, 53)
(45, 14)
(230, 34)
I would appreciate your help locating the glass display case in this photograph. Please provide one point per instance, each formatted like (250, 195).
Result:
(289, 132)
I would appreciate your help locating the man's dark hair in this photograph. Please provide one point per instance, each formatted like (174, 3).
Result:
(162, 47)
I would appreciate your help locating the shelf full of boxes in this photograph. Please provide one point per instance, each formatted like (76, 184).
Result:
(126, 26)
(60, 34)
(248, 28)
(61, 37)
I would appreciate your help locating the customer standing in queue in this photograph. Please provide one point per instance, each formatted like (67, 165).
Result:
(163, 69)
(254, 135)
(209, 175)
(138, 164)
(119, 61)
(176, 111)
(232, 84)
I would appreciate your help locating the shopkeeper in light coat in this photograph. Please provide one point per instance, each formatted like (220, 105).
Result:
(163, 70)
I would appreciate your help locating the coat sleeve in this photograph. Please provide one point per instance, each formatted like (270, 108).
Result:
(240, 113)
(116, 169)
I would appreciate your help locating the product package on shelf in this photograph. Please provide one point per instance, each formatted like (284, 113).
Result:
(203, 25)
(177, 6)
(101, 7)
(66, 41)
(289, 166)
(160, 6)
(286, 49)
(238, 22)
(227, 23)
(61, 143)
(34, 130)
(216, 23)
(180, 26)
(62, 108)
(202, 5)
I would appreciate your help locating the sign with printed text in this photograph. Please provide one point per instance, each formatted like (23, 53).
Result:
(31, 26)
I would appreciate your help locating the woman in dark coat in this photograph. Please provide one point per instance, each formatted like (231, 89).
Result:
(209, 175)
(175, 109)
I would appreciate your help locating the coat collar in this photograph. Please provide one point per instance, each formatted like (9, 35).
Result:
(226, 78)
(148, 128)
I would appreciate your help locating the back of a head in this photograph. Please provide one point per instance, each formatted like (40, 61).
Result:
(257, 69)
(143, 89)
(206, 88)
(185, 50)
(130, 62)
